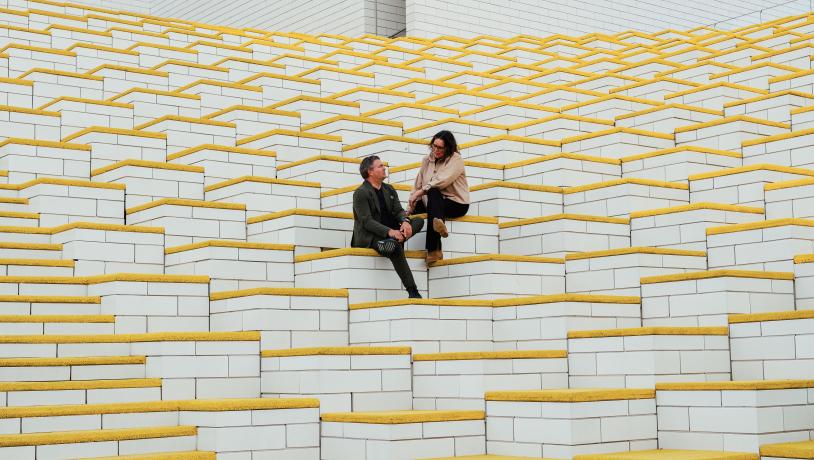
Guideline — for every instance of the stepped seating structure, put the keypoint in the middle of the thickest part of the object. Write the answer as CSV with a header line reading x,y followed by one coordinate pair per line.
x,y
634,280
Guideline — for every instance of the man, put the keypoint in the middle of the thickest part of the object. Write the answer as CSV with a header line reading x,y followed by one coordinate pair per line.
x,y
379,221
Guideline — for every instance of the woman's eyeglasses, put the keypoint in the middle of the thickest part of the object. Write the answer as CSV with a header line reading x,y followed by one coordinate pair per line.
x,y
436,147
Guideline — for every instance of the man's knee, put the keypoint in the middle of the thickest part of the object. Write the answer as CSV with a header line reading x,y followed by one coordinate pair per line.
x,y
417,223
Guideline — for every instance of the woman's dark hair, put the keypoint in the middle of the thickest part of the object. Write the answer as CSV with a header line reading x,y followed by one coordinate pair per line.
x,y
366,164
450,145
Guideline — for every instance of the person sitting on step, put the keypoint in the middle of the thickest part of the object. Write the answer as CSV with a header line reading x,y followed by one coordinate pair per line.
x,y
440,190
379,221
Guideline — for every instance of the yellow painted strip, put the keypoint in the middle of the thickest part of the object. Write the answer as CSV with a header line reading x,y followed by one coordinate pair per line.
x,y
76,299
759,225
497,257
79,385
74,437
769,96
509,354
736,385
517,186
625,181
641,331
553,217
336,351
57,318
250,336
229,244
788,184
84,100
683,148
147,164
191,120
185,202
658,108
799,450
777,137
104,227
804,258
555,156
401,417
771,316
421,302
314,158
261,179
98,279
288,132
612,131
118,131
356,118
695,207
188,455
571,395
732,119
33,246
350,252
38,262
750,168
707,274
509,137
72,361
19,215
634,250
352,188
669,454
555,298
298,292
156,92
123,68
221,148
11,108
409,140
300,212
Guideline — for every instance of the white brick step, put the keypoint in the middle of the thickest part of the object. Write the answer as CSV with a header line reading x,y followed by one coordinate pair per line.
x,y
36,267
357,378
11,204
68,444
671,454
18,250
52,369
57,324
458,380
799,450
19,219
190,455
402,435
51,304
67,392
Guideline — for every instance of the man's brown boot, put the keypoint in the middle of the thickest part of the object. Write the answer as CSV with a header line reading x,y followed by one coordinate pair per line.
x,y
434,256
439,226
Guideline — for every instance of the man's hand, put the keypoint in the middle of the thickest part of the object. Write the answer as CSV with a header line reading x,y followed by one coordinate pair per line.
x,y
396,235
406,229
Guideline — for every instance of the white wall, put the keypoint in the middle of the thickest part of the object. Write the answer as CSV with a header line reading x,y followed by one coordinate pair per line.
x,y
469,18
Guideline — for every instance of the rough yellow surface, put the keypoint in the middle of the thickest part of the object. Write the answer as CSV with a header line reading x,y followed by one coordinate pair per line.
x,y
695,207
771,316
580,217
640,331
497,257
134,338
336,351
759,225
399,417
73,437
79,385
804,449
351,252
229,244
72,361
717,274
303,292
571,395
191,455
671,454
737,385
634,250
509,354
429,302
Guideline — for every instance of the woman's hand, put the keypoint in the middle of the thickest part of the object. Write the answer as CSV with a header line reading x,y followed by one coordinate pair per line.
x,y
414,197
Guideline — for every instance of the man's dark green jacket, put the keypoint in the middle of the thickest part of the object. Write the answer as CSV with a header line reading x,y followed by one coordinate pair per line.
x,y
366,225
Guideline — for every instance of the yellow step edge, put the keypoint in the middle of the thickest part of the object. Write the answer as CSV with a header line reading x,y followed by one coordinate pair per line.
x,y
777,137
356,118
517,186
498,258
288,132
77,299
260,179
65,182
427,302
683,148
556,156
300,212
314,158
696,207
751,168
771,223
634,250
147,164
771,316
478,355
31,246
351,188
802,449
788,184
579,217
641,331
57,319
98,279
571,395
44,143
39,262
187,455
409,140
117,131
510,137
87,436
486,457
555,298
331,253
249,336
62,385
221,148
611,131
185,202
183,119
335,351
731,119
671,454
736,385
401,417
625,181
803,258
299,292
72,361
229,244
20,215
706,274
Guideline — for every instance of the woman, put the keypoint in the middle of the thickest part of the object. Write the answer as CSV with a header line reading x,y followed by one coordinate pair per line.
x,y
440,190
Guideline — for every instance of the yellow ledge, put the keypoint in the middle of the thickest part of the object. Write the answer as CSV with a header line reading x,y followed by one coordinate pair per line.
x,y
803,449
288,132
250,336
509,354
197,405
640,331
352,188
737,385
759,225
788,184
79,385
497,257
351,252
221,148
625,181
117,131
517,186
98,279
336,351
299,212
611,131
732,119
229,244
184,202
260,179
146,164
571,395
187,455
182,119
777,137
554,298
771,316
634,250
299,292
751,168
707,274
579,217
670,454
556,156
509,137
318,158
11,108
72,361
400,417
42,143
409,140
681,149
696,207
426,302
356,118
73,437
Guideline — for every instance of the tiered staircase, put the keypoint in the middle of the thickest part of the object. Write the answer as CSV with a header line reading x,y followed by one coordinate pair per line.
x,y
635,278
